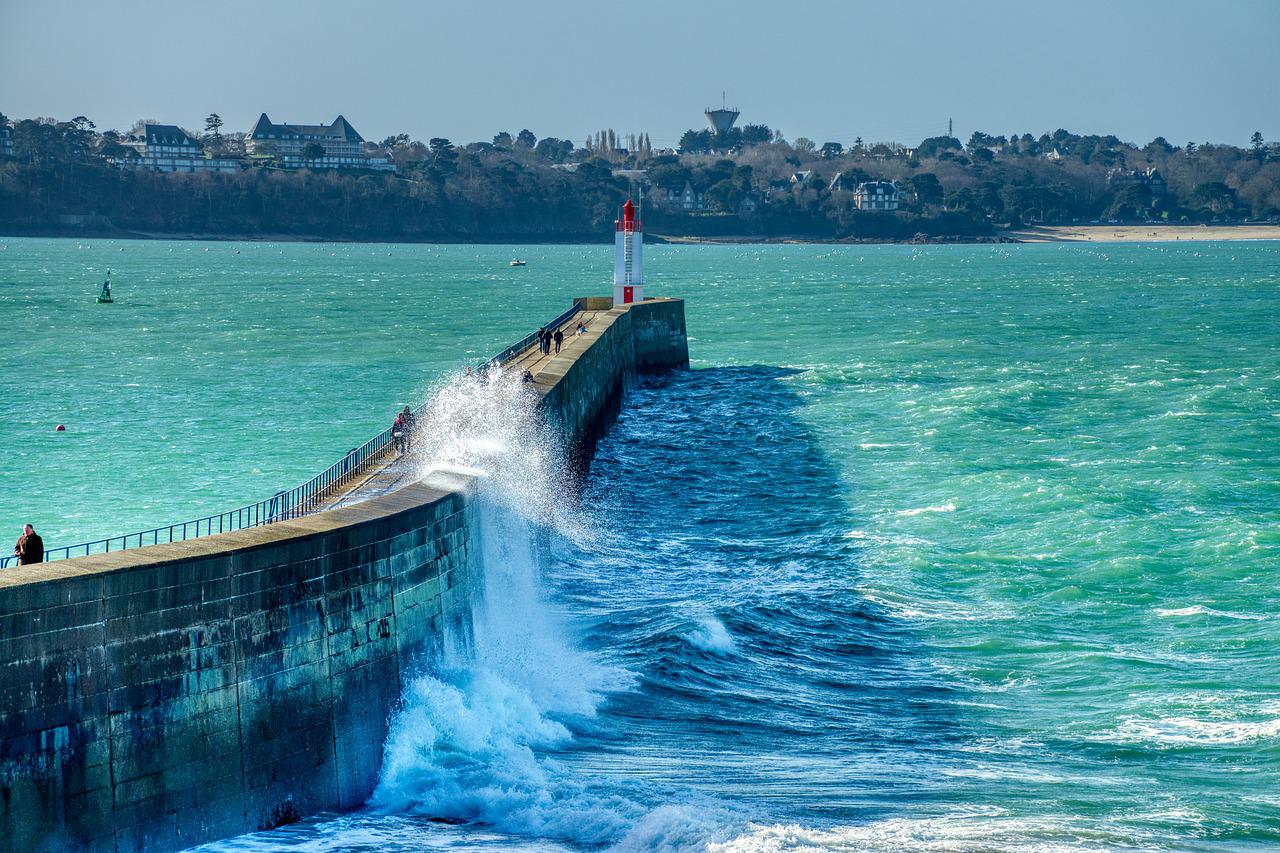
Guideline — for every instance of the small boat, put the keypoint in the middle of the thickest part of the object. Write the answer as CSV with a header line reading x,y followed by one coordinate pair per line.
x,y
517,263
105,296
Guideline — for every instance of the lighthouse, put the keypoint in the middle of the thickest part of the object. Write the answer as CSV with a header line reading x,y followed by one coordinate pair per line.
x,y
628,257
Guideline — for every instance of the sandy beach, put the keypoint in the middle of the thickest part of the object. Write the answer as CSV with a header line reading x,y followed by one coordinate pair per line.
x,y
1143,233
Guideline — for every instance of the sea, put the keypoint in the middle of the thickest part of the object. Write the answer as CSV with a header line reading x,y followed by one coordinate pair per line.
x,y
936,548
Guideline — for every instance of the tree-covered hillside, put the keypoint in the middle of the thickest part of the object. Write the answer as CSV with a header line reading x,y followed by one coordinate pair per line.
x,y
65,175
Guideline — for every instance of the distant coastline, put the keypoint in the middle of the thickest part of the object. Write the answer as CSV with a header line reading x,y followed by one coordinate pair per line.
x,y
1040,234
1143,233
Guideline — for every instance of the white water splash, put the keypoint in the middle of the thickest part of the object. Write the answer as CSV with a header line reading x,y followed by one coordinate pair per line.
x,y
710,635
476,739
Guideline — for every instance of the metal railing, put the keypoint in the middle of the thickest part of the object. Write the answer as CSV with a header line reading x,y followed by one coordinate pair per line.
x,y
291,503
532,338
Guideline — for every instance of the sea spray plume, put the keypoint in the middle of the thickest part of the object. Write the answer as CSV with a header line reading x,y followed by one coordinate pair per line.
x,y
489,421
464,743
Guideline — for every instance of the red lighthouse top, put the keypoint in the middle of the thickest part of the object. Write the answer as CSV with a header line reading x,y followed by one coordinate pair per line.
x,y
628,222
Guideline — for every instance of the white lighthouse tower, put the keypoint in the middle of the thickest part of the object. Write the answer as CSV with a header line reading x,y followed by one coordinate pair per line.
x,y
628,257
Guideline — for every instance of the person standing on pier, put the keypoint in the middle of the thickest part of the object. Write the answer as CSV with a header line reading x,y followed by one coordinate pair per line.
x,y
542,340
559,340
398,430
30,547
408,418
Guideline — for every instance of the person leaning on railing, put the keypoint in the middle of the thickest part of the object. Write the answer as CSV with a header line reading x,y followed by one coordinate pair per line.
x,y
30,547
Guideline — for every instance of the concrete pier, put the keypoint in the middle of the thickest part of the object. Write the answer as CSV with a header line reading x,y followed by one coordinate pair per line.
x,y
161,697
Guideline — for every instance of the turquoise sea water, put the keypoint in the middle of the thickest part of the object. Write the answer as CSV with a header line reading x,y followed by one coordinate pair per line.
x,y
950,548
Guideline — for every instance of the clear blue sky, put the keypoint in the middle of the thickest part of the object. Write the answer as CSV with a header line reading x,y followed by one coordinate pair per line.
x,y
825,69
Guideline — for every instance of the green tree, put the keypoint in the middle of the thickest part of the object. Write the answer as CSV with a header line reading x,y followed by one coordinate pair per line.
x,y
980,140
935,145
526,139
503,140
1214,196
756,134
1255,143
1132,202
927,187
724,196
695,141
213,126
831,149
312,151
553,150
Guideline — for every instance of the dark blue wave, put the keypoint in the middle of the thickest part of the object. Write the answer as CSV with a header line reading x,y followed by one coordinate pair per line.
x,y
718,508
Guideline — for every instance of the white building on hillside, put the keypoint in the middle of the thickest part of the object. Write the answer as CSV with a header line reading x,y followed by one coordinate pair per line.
x,y
343,147
168,148
877,195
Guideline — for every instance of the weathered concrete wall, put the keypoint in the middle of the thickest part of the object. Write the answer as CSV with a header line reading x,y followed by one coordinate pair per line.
x,y
160,697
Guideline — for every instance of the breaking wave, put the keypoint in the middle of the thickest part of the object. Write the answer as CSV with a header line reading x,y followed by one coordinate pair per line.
x,y
479,737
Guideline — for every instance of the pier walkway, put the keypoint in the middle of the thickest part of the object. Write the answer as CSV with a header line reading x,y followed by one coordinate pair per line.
x,y
156,696
396,471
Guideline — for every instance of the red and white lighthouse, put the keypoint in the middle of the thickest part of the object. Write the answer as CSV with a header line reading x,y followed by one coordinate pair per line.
x,y
628,257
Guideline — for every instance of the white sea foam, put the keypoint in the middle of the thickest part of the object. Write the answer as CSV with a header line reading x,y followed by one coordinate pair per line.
x,y
710,635
946,507
1201,610
915,607
1185,730
990,830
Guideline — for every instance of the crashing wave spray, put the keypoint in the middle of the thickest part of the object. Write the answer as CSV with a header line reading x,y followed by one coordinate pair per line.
x,y
464,744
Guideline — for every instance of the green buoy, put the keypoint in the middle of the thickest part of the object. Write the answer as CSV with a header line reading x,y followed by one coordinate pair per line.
x,y
105,295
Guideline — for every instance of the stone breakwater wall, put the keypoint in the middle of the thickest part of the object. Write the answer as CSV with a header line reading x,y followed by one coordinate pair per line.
x,y
161,697
586,387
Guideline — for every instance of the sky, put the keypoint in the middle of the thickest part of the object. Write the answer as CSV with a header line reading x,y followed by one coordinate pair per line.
x,y
823,69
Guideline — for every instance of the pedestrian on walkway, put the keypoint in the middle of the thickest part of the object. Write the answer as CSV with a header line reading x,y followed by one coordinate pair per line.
x,y
542,339
30,547
398,430
559,340
409,423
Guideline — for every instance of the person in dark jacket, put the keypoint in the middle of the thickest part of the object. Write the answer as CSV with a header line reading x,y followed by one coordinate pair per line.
x,y
559,339
30,547
542,340
409,422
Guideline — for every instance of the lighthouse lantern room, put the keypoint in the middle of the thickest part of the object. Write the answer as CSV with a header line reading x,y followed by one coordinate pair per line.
x,y
628,257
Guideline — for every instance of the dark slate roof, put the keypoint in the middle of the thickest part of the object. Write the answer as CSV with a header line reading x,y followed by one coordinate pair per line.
x,y
264,128
169,134
879,187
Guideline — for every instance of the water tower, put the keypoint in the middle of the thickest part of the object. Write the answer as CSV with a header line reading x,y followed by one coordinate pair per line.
x,y
721,120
